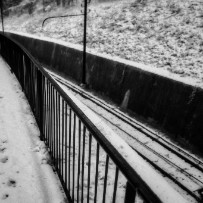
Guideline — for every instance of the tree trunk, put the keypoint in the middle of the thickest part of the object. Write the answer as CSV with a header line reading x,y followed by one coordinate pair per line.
x,y
63,3
58,2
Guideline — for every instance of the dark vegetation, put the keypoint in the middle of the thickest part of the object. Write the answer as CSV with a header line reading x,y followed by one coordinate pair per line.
x,y
21,6
9,3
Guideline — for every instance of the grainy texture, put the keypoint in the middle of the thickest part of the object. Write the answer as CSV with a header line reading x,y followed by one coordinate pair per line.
x,y
164,34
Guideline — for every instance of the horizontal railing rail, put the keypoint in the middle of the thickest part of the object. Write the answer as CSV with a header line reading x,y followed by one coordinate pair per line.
x,y
90,166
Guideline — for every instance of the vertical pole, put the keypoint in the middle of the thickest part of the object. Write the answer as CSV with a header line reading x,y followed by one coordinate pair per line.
x,y
84,44
43,4
2,18
130,193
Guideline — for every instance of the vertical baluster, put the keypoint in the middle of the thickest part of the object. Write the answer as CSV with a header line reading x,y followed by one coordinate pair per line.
x,y
142,196
54,126
105,178
49,114
41,103
79,145
45,109
56,130
83,160
62,137
30,92
32,87
130,193
74,128
23,72
96,174
59,131
51,123
52,119
35,94
89,167
30,78
69,154
66,144
115,185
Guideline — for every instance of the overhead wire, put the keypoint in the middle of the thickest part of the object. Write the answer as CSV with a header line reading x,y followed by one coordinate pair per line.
x,y
62,16
86,11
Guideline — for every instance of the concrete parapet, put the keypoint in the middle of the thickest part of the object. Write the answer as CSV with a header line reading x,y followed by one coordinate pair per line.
x,y
172,104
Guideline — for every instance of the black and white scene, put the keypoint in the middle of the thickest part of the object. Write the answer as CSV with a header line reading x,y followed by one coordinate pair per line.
x,y
101,101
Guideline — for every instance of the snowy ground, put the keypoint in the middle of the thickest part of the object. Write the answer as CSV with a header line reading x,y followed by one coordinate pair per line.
x,y
25,173
166,34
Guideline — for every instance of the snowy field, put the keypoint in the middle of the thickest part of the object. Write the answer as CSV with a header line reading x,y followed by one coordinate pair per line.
x,y
25,173
165,34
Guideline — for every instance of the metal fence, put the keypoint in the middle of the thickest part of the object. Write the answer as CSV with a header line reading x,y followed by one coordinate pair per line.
x,y
88,165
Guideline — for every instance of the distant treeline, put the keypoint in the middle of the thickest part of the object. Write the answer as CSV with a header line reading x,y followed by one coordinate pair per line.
x,y
28,6
10,3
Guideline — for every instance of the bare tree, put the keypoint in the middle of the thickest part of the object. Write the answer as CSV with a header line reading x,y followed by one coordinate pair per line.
x,y
58,2
63,3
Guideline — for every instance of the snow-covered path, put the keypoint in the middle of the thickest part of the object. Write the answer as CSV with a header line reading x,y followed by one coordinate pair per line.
x,y
25,173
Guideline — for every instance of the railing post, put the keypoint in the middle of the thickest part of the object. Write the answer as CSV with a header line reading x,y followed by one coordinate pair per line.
x,y
130,193
40,103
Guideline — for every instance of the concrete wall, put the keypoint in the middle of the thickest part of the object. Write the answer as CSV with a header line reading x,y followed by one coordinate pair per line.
x,y
174,106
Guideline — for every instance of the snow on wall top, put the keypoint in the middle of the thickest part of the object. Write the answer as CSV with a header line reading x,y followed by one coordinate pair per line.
x,y
146,68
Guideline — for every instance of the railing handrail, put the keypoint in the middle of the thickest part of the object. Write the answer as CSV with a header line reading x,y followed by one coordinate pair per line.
x,y
121,154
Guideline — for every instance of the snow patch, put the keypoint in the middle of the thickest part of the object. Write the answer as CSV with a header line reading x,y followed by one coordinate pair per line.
x,y
24,176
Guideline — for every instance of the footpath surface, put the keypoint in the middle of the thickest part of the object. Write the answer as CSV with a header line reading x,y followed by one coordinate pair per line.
x,y
25,172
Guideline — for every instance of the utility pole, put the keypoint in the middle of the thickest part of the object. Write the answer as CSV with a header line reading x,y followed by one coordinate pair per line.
x,y
43,4
2,18
84,44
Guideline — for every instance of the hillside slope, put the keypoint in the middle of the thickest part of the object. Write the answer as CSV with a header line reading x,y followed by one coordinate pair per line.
x,y
164,34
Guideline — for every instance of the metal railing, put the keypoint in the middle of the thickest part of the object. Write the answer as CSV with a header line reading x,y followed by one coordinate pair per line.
x,y
88,165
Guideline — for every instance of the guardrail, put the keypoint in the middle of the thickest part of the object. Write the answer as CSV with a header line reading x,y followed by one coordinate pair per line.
x,y
93,164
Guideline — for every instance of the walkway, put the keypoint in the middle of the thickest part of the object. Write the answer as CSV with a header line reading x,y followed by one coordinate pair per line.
x,y
25,173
